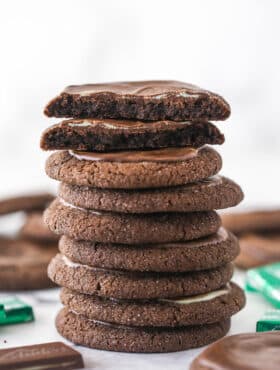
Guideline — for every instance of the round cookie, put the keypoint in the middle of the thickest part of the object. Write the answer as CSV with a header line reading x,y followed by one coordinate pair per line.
x,y
135,285
23,264
29,202
144,100
196,310
244,222
81,224
216,192
35,229
258,249
190,166
108,135
252,351
101,335
200,254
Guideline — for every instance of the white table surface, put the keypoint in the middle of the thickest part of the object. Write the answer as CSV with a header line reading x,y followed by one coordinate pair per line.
x,y
46,305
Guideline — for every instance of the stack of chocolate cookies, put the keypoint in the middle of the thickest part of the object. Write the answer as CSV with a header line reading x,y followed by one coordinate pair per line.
x,y
144,263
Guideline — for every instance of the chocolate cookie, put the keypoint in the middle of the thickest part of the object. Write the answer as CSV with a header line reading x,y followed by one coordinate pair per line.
x,y
135,285
25,203
108,135
266,220
214,193
23,264
258,249
200,254
259,235
252,351
107,227
101,335
34,228
130,170
143,100
197,310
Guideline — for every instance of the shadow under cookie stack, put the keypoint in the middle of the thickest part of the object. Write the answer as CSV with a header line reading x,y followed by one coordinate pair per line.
x,y
144,263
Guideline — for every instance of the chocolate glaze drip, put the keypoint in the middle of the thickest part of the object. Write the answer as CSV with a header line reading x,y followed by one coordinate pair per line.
x,y
157,155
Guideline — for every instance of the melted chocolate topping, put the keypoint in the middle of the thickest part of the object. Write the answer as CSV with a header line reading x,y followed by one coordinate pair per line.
x,y
114,124
138,88
157,155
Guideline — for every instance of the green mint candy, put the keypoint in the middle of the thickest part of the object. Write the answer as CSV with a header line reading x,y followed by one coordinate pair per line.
x,y
265,280
269,322
2,312
13,311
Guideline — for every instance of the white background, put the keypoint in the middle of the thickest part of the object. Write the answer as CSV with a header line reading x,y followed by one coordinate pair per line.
x,y
230,47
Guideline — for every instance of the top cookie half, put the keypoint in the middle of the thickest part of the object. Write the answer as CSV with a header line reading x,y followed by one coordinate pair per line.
x,y
141,100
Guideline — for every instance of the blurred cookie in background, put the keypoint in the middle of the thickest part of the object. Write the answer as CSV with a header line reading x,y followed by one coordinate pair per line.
x,y
24,256
254,221
35,229
259,236
23,264
28,202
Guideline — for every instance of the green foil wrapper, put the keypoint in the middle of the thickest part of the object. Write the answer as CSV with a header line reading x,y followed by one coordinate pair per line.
x,y
2,312
269,321
265,280
14,311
